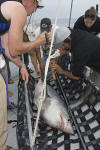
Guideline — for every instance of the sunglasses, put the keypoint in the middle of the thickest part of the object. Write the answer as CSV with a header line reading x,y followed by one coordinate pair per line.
x,y
90,16
45,26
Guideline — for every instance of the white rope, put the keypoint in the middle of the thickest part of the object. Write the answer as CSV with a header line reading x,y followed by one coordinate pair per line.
x,y
43,94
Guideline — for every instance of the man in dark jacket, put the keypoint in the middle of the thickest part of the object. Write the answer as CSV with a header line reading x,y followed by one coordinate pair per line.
x,y
85,50
89,22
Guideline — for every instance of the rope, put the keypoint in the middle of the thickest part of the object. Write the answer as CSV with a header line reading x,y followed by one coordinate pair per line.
x,y
43,94
70,12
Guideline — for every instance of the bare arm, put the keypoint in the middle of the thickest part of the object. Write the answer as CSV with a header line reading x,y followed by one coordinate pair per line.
x,y
58,69
70,75
38,54
34,59
15,60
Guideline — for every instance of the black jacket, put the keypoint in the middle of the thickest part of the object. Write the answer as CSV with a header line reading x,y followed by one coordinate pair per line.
x,y
85,49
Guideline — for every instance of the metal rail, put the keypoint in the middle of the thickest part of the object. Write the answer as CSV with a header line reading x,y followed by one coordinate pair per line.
x,y
71,114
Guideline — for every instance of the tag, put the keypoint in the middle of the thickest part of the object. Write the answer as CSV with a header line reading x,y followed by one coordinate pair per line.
x,y
2,62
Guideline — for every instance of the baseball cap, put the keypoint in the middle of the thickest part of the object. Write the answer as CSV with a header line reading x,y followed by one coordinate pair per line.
x,y
45,24
61,34
40,4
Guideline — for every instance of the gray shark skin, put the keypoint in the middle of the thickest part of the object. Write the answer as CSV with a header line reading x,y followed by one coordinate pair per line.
x,y
53,110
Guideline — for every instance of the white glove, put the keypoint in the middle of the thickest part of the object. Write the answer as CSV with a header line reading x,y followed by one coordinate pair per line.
x,y
56,54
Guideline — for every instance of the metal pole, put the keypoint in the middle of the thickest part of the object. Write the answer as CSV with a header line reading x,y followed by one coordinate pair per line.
x,y
73,118
28,117
70,13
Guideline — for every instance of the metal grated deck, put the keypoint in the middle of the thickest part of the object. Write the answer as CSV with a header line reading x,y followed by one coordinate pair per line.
x,y
82,100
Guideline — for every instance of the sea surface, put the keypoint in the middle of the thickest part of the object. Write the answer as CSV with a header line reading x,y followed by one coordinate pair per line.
x,y
60,22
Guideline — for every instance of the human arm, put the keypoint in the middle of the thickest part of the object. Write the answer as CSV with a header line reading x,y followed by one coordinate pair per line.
x,y
15,60
57,68
33,56
38,54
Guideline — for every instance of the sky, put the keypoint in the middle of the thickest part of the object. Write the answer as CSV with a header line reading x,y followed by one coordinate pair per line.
x,y
79,7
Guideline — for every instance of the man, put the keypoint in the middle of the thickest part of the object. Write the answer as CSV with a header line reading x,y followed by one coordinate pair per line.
x,y
60,35
85,50
12,21
55,63
35,56
89,22
60,63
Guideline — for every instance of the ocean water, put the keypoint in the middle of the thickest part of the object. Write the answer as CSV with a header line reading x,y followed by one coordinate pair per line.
x,y
60,22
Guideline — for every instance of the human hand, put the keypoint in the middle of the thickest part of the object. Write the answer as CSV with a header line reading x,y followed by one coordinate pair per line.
x,y
24,73
54,67
42,38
